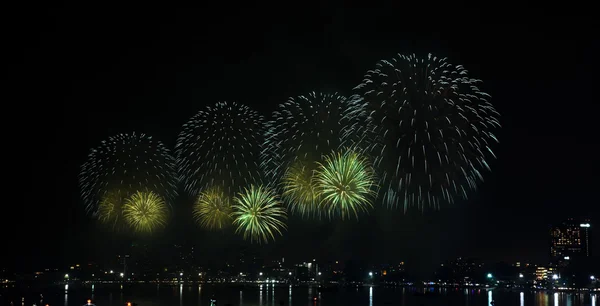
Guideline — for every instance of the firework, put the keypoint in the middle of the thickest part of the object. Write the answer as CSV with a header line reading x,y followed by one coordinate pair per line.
x,y
308,127
258,214
434,129
212,209
127,163
300,190
220,147
145,212
345,184
110,209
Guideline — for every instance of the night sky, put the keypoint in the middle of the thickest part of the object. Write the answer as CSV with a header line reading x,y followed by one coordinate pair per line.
x,y
86,73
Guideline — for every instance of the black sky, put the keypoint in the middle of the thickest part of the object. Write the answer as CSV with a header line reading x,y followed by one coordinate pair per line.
x,y
85,73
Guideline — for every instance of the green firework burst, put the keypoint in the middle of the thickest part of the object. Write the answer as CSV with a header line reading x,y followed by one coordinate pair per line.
x,y
346,184
258,214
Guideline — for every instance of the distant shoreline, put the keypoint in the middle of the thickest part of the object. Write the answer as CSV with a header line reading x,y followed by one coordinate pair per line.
x,y
326,286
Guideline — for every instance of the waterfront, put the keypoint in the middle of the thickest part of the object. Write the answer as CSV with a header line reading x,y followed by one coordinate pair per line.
x,y
269,295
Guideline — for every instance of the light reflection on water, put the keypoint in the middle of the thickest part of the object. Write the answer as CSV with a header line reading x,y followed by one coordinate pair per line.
x,y
180,294
542,299
272,294
522,298
263,295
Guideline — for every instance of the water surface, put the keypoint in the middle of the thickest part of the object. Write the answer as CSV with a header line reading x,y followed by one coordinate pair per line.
x,y
275,295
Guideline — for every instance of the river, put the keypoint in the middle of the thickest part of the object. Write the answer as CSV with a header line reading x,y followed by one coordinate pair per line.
x,y
269,295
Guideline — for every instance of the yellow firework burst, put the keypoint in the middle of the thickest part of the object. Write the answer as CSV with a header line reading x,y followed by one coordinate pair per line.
x,y
212,209
110,209
300,190
258,214
346,184
145,212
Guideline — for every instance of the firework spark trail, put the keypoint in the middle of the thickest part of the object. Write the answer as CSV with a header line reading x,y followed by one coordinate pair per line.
x,y
110,209
127,163
433,126
220,147
308,127
300,190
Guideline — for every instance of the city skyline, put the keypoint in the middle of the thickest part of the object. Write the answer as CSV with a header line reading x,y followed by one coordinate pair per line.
x,y
155,82
567,248
247,267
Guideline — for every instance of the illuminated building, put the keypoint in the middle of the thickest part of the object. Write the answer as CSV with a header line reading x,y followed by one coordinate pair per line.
x,y
570,240
542,273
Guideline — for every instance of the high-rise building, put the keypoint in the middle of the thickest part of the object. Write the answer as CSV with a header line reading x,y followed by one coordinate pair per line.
x,y
570,240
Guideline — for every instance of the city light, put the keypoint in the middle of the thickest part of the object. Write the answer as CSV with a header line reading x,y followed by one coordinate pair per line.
x,y
567,257
541,274
584,225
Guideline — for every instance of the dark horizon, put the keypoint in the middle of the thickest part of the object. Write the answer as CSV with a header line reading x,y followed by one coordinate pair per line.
x,y
82,78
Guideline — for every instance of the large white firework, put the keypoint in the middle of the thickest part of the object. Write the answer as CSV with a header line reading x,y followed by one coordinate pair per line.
x,y
127,163
433,127
220,147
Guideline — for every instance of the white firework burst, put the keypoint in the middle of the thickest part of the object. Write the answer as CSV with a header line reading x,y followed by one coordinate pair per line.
x,y
433,127
220,147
